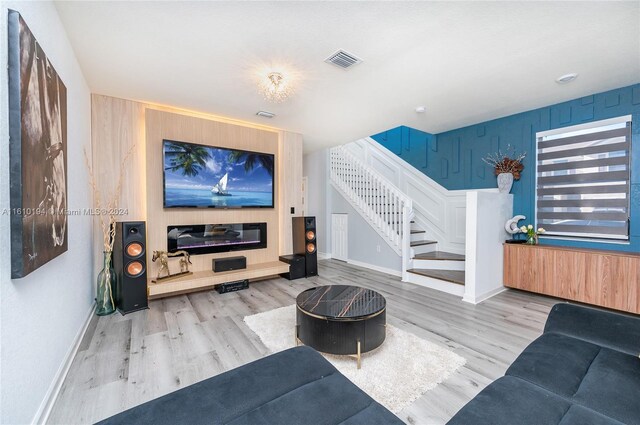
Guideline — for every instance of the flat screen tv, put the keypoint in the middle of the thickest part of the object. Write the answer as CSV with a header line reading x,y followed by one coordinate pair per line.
x,y
200,176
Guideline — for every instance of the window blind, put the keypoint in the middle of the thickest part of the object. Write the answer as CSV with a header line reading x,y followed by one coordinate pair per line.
x,y
583,179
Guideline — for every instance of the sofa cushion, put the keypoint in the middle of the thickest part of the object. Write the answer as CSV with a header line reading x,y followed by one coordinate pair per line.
x,y
293,386
600,379
375,414
612,386
555,362
318,402
578,415
510,400
617,331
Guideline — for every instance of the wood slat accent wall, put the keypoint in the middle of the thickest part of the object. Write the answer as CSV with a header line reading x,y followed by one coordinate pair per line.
x,y
165,125
118,124
290,182
604,278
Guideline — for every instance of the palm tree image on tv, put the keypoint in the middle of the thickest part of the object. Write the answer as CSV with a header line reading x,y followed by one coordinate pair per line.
x,y
207,176
251,159
187,158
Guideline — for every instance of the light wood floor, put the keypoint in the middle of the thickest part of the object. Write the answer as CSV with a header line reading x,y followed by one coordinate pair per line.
x,y
126,360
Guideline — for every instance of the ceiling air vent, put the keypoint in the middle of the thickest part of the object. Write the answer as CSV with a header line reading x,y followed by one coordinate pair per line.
x,y
343,59
265,114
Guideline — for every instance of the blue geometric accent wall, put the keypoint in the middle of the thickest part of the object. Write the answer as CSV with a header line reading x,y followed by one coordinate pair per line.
x,y
413,146
454,158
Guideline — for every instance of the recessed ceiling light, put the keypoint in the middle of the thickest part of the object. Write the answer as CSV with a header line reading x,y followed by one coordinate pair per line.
x,y
566,78
265,114
421,109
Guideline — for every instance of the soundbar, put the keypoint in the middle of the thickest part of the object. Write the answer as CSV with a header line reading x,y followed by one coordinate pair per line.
x,y
228,264
236,285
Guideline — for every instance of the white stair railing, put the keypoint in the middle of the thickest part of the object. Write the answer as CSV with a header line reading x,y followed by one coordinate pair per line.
x,y
384,206
438,211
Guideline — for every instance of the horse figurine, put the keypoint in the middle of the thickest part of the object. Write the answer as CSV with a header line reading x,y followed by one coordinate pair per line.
x,y
184,261
163,256
164,262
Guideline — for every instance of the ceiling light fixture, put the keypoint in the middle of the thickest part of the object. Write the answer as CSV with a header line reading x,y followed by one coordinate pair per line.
x,y
566,78
275,87
421,109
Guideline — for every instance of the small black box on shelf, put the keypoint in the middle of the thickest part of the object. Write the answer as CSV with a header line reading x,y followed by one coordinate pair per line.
x,y
229,263
296,263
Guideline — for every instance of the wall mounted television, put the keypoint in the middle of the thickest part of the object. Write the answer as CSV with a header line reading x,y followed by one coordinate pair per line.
x,y
200,176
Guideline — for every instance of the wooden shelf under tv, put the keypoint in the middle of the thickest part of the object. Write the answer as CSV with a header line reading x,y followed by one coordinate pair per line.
x,y
202,280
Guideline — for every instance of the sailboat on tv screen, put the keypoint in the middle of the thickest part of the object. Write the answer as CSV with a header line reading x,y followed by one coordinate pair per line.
x,y
220,188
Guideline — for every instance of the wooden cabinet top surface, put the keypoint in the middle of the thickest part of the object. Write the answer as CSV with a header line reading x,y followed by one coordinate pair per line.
x,y
574,249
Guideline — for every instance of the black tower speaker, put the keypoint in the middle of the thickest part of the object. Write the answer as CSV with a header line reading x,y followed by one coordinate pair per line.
x,y
304,242
130,264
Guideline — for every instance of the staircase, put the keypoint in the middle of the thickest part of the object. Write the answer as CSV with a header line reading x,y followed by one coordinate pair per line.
x,y
391,213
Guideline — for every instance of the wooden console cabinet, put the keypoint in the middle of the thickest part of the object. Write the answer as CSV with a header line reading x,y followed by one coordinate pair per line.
x,y
605,278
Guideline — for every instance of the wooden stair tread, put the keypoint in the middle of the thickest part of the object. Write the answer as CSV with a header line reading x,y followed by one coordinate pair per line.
x,y
413,232
419,243
439,255
453,276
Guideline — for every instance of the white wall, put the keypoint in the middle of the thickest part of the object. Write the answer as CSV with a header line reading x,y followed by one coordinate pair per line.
x,y
315,167
364,241
43,313
486,215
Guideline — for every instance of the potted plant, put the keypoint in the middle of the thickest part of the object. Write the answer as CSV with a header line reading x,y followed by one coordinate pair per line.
x,y
532,234
106,212
507,166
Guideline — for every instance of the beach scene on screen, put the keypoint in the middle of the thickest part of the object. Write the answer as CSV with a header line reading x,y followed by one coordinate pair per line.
x,y
204,176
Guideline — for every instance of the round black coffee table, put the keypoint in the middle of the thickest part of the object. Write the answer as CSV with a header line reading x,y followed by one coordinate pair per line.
x,y
341,319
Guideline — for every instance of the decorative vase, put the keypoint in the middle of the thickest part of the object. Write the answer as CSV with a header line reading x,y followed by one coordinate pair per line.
x,y
532,239
505,181
105,298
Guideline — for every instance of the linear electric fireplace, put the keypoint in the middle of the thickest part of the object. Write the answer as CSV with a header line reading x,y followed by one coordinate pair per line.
x,y
212,238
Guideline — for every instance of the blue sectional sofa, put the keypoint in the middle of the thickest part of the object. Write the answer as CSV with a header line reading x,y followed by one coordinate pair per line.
x,y
584,369
296,386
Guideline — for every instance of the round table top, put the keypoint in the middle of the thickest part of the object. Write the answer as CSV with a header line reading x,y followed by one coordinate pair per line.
x,y
341,302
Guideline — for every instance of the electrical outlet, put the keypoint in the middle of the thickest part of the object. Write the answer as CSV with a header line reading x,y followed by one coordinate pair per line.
x,y
378,248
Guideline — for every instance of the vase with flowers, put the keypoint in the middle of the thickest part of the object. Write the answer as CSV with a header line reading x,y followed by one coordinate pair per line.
x,y
106,213
507,167
532,234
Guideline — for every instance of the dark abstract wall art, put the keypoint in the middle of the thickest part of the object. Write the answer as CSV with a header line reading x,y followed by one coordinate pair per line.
x,y
38,152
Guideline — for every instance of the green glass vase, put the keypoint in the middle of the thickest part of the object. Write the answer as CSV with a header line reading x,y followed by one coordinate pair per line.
x,y
532,239
105,298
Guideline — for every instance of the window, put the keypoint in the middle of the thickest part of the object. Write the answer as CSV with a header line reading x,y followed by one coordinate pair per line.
x,y
582,187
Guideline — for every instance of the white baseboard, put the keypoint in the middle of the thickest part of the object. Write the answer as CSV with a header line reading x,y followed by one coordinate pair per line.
x,y
376,268
324,255
483,297
42,415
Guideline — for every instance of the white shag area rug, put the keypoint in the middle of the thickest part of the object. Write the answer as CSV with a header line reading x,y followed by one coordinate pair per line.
x,y
395,374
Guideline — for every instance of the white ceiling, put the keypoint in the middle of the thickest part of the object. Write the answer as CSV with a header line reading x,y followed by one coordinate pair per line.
x,y
466,62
